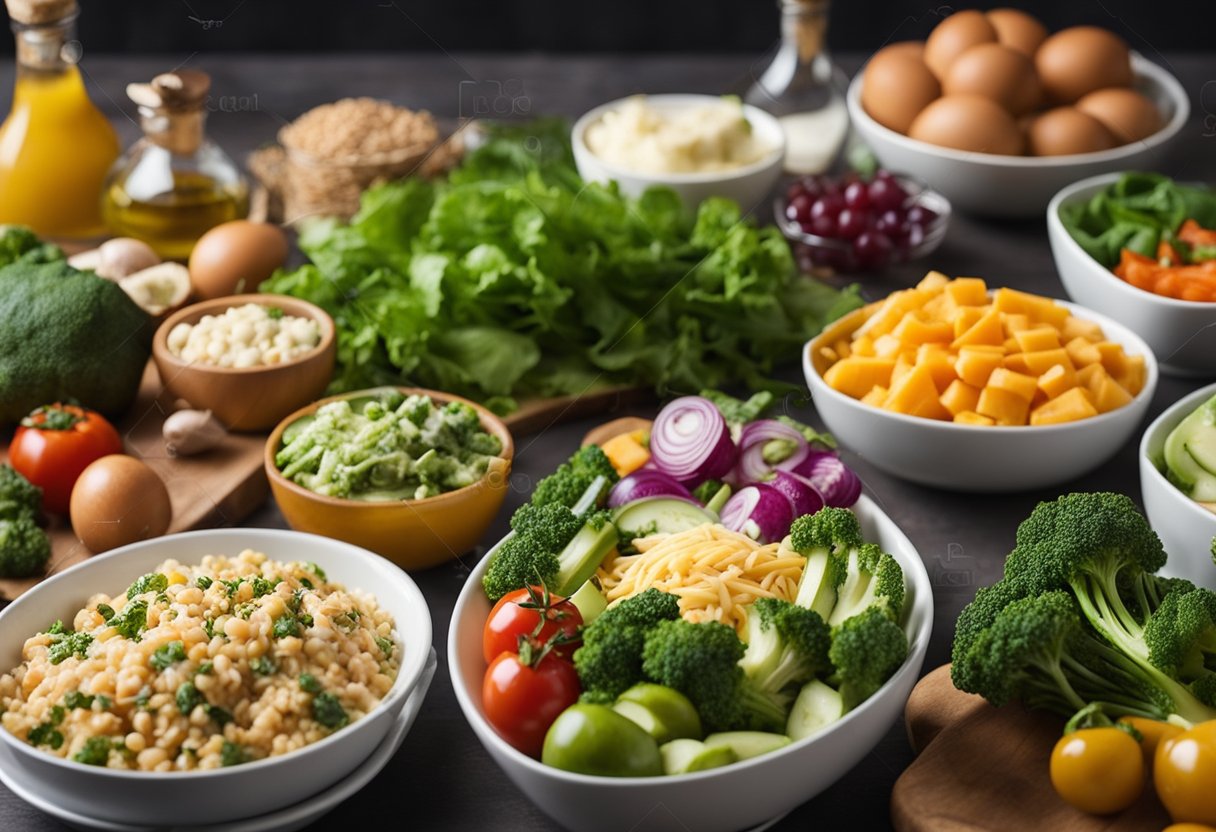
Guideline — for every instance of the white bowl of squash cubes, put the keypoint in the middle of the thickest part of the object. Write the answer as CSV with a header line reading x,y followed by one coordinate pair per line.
x,y
956,385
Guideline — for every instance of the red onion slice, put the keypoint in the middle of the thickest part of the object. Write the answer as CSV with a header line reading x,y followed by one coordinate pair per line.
x,y
643,483
759,511
691,441
834,480
803,497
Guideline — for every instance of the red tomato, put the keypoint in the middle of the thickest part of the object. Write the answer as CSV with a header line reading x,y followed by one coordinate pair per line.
x,y
521,701
54,444
519,613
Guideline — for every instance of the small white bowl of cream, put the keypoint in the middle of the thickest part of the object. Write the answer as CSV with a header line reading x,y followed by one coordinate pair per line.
x,y
698,145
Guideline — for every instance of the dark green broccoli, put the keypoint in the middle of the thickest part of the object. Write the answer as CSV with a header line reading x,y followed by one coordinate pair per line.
x,y
787,646
701,661
24,547
18,496
872,579
20,244
974,621
1181,634
610,658
866,651
132,621
530,555
65,645
152,582
824,539
567,485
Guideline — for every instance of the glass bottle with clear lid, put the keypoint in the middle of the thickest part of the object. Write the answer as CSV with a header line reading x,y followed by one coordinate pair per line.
x,y
174,184
804,89
55,145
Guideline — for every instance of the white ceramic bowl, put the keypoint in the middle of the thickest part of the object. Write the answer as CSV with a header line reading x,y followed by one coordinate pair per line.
x,y
1020,186
740,796
164,799
1186,528
749,185
1182,333
974,457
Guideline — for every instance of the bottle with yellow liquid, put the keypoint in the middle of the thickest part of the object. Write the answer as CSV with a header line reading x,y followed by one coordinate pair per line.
x,y
174,184
55,146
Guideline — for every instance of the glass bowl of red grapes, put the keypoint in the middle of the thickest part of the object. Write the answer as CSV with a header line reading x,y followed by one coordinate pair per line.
x,y
852,224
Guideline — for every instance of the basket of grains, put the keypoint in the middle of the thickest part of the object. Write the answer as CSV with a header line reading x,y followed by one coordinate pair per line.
x,y
332,153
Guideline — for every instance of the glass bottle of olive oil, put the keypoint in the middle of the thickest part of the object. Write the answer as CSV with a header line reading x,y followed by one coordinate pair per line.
x,y
174,184
55,145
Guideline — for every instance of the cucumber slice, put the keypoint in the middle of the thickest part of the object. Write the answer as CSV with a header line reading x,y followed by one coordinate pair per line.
x,y
670,707
583,555
817,706
685,756
748,744
1190,453
659,515
589,601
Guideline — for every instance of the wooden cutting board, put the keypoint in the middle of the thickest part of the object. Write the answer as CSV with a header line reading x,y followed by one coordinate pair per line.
x,y
218,488
985,768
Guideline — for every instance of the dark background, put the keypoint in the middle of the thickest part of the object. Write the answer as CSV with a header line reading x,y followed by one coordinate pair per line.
x,y
171,26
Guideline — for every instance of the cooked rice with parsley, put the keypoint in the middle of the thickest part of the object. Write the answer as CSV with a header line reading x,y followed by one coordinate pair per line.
x,y
197,667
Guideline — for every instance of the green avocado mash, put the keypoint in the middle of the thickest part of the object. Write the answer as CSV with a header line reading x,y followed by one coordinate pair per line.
x,y
387,447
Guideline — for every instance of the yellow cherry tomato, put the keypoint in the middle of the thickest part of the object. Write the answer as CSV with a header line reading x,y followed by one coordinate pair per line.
x,y
1189,827
1153,733
1098,770
1184,772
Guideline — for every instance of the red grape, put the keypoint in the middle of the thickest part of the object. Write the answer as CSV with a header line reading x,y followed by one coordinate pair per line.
x,y
823,226
850,222
873,249
799,208
921,215
856,196
886,194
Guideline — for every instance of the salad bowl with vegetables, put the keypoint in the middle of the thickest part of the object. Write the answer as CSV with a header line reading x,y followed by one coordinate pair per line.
x,y
1141,249
665,625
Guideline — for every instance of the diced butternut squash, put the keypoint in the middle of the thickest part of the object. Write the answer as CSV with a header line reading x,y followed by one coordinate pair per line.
x,y
941,308
1003,407
855,376
916,395
864,346
887,346
933,282
1090,376
913,330
627,451
968,291
1020,385
987,330
960,397
968,417
1113,357
1109,395
1041,361
1058,380
1132,377
1067,407
843,348
940,365
967,317
1016,362
1038,339
1082,352
875,397
903,366
1080,328
974,366
1014,322
1009,345
1043,310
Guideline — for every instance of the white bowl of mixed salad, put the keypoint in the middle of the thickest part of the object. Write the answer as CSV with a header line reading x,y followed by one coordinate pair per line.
x,y
711,639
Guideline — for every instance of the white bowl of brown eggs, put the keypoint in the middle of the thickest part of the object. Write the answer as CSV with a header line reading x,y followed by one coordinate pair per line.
x,y
998,115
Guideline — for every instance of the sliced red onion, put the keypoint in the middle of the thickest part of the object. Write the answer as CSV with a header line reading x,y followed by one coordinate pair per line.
x,y
757,438
803,497
691,441
759,511
646,482
803,468
834,480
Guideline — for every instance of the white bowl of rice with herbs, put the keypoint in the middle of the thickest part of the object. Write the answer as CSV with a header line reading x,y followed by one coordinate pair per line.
x,y
255,661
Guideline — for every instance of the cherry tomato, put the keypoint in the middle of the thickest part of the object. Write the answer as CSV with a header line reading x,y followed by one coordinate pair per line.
x,y
522,700
1184,771
1098,770
520,612
54,444
1153,733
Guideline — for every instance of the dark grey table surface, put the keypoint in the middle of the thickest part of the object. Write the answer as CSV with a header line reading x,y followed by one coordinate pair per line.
x,y
441,778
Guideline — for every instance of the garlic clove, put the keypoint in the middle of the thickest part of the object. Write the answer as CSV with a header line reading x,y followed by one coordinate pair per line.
x,y
189,432
159,288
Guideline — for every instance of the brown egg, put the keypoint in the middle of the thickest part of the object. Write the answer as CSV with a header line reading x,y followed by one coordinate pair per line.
x,y
895,87
968,122
954,36
234,257
1127,114
911,48
1017,30
1064,131
119,500
1076,61
997,72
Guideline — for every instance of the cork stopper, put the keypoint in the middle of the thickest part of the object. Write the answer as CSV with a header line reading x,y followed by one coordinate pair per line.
x,y
40,12
179,91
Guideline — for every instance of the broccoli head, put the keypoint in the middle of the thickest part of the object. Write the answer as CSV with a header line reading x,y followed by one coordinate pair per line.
x,y
24,547
702,662
974,621
824,538
530,555
872,579
866,651
610,658
570,481
1181,634
18,495
787,646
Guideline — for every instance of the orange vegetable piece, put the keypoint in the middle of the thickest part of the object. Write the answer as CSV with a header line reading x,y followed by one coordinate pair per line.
x,y
1132,377
966,317
1058,380
1038,339
1067,407
1194,234
987,330
856,375
913,330
1037,363
1014,322
1003,407
1113,356
970,417
960,397
1022,386
974,365
1079,327
916,395
1082,352
1109,395
627,451
875,397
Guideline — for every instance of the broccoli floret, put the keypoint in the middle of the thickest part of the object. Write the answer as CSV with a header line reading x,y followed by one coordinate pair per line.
x,y
702,662
866,651
974,621
570,481
610,658
24,547
18,496
872,579
1181,634
824,538
530,555
787,646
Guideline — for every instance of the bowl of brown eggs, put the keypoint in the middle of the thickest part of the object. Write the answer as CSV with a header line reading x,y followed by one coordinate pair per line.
x,y
998,114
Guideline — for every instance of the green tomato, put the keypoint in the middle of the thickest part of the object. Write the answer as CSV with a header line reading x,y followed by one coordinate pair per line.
x,y
594,739
674,713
